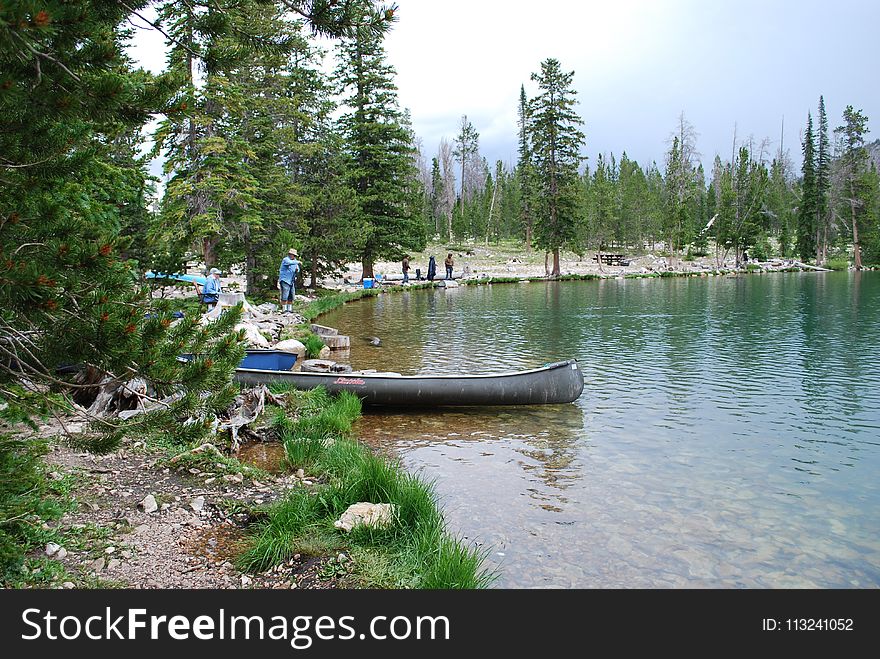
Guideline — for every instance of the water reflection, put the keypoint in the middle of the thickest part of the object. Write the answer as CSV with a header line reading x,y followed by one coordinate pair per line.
x,y
539,442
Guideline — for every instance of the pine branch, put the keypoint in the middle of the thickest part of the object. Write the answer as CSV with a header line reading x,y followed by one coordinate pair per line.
x,y
45,55
159,29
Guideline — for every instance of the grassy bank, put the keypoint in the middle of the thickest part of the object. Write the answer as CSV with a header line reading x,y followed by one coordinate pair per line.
x,y
413,551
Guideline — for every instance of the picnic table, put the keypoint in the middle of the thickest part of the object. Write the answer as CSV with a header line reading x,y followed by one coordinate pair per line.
x,y
612,259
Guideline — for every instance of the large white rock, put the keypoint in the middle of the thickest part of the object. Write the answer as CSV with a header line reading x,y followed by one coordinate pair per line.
x,y
367,514
291,345
323,330
253,335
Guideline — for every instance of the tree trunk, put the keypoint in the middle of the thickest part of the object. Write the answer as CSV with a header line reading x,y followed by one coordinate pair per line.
x,y
556,270
367,268
208,252
250,271
857,249
314,258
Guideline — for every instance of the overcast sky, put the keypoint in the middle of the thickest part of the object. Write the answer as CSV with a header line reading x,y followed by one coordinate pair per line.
x,y
637,66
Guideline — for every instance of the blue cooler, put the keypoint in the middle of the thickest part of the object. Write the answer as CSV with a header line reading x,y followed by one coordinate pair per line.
x,y
368,282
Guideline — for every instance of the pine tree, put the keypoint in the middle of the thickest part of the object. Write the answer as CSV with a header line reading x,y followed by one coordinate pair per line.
x,y
556,143
379,147
66,297
870,238
823,184
467,149
438,195
781,202
807,211
854,166
525,170
602,206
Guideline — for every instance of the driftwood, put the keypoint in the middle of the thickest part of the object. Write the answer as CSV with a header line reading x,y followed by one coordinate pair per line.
x,y
798,264
248,406
105,395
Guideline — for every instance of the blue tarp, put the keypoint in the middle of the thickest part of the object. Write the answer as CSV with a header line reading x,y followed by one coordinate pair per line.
x,y
194,279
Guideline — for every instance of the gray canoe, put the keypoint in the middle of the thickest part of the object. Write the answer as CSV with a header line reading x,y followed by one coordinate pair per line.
x,y
561,382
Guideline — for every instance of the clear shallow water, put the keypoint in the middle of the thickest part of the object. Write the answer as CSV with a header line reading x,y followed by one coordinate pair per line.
x,y
728,435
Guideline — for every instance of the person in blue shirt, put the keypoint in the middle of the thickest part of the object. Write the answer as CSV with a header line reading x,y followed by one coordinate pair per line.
x,y
286,278
212,289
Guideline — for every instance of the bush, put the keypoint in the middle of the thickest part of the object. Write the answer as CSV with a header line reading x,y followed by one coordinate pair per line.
x,y
313,344
24,502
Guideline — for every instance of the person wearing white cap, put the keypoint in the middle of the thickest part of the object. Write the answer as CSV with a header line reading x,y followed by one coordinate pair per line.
x,y
286,278
212,289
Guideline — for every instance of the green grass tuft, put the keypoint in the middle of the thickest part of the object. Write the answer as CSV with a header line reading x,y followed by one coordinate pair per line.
x,y
413,551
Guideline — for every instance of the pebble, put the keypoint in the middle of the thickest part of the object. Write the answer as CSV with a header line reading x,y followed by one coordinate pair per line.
x,y
62,554
148,504
52,549
68,585
197,504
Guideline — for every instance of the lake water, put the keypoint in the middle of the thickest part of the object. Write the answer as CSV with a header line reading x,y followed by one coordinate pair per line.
x,y
728,435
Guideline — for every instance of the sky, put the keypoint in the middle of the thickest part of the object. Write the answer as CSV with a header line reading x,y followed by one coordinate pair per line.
x,y
745,66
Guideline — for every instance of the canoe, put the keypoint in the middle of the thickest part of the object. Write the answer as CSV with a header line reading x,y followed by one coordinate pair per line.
x,y
177,276
561,382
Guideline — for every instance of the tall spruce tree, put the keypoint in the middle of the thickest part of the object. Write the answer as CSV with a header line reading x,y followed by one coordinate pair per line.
x,y
525,169
467,149
823,185
807,210
781,203
556,144
438,195
379,151
854,166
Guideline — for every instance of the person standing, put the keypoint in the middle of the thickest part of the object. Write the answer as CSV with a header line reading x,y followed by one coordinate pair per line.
x,y
286,278
450,262
432,268
212,289
406,268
